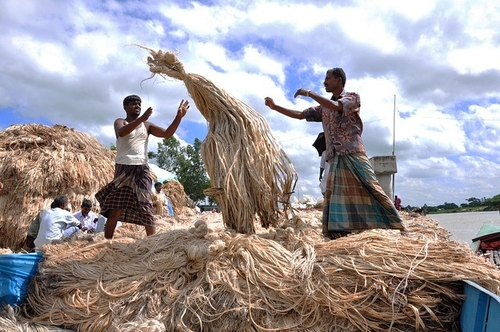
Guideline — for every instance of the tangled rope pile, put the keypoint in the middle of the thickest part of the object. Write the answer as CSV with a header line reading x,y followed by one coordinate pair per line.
x,y
282,279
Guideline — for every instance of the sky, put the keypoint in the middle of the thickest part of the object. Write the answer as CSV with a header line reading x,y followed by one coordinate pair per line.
x,y
427,72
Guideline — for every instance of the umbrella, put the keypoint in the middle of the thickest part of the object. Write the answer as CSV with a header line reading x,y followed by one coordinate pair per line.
x,y
320,143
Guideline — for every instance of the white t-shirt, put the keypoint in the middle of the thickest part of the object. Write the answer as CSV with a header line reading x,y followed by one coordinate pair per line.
x,y
132,149
326,166
87,221
53,222
322,161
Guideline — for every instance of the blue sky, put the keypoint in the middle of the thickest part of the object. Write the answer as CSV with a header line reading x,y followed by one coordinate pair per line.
x,y
72,62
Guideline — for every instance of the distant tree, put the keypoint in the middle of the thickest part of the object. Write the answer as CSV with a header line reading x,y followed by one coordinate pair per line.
x,y
448,206
169,153
186,164
492,203
192,173
473,201
112,147
431,209
475,204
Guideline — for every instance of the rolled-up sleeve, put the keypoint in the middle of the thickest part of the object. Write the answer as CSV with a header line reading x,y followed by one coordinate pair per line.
x,y
350,103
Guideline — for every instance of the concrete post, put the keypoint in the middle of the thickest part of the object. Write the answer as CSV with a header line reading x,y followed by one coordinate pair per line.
x,y
385,167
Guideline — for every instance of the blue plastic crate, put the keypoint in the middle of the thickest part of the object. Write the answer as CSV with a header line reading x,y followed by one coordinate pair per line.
x,y
16,271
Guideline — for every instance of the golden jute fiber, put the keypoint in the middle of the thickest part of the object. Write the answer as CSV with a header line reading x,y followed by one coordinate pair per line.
x,y
175,191
249,172
280,279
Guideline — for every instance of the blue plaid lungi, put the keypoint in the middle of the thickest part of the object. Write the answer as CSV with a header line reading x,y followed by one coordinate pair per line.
x,y
354,199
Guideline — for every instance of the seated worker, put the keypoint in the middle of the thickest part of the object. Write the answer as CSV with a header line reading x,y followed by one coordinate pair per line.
x,y
88,219
161,202
51,224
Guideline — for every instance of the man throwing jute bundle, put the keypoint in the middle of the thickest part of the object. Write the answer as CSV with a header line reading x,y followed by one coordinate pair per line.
x,y
129,196
354,199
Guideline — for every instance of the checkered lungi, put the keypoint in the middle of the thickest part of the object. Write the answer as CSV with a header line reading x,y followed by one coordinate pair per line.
x,y
354,199
130,191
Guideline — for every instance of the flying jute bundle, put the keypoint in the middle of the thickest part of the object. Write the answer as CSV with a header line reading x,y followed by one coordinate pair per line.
x,y
249,172
203,278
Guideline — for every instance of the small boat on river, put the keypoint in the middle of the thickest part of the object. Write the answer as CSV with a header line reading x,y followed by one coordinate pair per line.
x,y
487,243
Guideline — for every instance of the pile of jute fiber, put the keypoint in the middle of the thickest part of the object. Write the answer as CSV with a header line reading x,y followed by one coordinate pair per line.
x,y
249,172
175,192
205,278
38,163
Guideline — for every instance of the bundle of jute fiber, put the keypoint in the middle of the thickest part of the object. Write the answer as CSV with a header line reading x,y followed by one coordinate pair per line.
x,y
199,279
10,323
424,226
38,163
117,282
249,172
175,192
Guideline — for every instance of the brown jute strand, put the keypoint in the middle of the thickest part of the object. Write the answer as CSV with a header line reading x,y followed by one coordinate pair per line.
x,y
249,172
205,278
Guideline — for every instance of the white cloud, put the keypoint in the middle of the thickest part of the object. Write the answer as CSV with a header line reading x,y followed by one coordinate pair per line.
x,y
476,60
73,62
46,56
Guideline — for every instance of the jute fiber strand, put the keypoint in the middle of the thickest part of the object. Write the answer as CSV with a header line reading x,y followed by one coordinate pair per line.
x,y
10,323
205,278
40,162
249,172
175,191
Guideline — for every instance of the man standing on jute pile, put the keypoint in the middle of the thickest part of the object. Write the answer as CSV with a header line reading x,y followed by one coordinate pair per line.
x,y
129,196
354,199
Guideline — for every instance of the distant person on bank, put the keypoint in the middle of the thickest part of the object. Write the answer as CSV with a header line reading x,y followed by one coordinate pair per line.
x,y
397,203
354,199
129,196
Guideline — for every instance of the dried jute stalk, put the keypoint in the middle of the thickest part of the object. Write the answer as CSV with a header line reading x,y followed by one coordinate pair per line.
x,y
249,172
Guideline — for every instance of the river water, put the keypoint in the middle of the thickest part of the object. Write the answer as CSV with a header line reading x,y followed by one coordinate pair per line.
x,y
464,226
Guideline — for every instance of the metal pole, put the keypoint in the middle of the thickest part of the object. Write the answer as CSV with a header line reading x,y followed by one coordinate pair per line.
x,y
394,128
394,145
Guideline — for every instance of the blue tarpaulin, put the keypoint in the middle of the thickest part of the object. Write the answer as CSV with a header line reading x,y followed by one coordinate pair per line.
x,y
16,271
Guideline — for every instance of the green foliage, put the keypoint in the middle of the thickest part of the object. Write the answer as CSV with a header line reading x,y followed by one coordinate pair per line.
x,y
474,205
492,203
186,164
169,151
473,201
448,206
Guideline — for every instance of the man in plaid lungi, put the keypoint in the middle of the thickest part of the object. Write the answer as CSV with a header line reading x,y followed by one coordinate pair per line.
x,y
354,199
129,197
